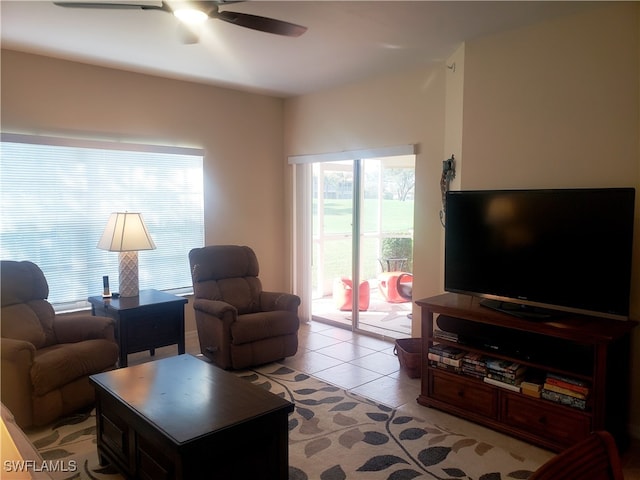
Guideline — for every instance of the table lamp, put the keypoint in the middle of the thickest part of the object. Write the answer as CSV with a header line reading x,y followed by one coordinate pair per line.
x,y
126,233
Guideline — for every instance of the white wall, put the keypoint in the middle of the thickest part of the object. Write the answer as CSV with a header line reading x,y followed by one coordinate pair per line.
x,y
401,109
555,104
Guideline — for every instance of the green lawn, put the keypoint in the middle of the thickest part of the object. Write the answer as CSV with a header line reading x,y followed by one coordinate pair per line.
x,y
397,216
396,220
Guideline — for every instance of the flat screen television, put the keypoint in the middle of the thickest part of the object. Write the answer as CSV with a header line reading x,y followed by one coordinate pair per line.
x,y
535,252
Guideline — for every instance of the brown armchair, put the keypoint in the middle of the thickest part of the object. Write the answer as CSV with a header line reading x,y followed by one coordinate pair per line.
x,y
239,324
594,458
46,359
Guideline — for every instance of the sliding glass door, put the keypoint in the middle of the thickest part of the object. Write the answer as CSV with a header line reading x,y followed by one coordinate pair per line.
x,y
333,193
362,229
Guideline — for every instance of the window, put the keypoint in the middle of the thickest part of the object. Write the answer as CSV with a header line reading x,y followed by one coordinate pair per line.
x,y
57,195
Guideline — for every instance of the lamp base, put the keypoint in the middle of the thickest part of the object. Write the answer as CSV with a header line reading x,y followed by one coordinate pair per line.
x,y
128,273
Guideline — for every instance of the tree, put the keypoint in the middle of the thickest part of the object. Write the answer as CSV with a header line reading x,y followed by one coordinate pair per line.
x,y
402,181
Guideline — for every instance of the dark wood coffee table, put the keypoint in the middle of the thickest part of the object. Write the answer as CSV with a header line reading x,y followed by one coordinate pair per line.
x,y
183,418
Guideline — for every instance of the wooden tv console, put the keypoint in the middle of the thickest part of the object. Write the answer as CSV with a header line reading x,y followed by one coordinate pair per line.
x,y
593,350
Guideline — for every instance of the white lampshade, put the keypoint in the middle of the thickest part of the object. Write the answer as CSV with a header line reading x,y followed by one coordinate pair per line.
x,y
126,233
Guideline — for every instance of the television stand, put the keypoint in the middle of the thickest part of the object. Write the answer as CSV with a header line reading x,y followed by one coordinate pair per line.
x,y
519,309
589,350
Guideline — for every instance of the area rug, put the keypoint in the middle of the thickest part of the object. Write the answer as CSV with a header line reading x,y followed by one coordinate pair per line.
x,y
333,435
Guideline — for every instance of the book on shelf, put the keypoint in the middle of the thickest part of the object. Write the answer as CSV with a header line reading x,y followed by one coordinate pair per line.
x,y
446,351
473,372
444,366
504,378
531,389
563,399
568,383
474,367
498,383
506,367
567,379
455,362
507,375
564,391
475,359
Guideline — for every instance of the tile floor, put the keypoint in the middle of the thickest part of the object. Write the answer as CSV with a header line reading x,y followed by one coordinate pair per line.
x,y
368,366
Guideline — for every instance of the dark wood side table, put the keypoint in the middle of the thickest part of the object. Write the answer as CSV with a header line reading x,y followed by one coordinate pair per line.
x,y
181,418
152,319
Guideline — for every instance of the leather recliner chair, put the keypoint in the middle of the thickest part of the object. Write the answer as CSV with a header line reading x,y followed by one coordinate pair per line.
x,y
240,325
46,359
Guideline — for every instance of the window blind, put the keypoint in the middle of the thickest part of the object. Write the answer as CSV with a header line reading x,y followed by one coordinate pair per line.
x,y
57,195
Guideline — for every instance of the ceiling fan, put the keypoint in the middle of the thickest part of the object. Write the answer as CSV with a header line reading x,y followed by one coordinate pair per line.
x,y
201,10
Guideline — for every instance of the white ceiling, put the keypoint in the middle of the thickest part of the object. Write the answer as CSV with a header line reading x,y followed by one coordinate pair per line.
x,y
346,41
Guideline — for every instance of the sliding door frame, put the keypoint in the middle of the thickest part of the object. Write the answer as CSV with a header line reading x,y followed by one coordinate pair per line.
x,y
302,212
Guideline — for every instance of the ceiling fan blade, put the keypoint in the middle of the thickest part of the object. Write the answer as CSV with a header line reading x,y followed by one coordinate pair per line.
x,y
263,24
210,7
114,5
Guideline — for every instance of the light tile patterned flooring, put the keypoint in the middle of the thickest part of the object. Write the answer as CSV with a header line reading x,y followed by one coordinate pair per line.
x,y
368,366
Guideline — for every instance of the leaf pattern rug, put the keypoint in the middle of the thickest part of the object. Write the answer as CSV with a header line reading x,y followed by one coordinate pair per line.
x,y
333,435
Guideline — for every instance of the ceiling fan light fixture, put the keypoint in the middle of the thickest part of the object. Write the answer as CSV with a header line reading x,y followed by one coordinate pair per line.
x,y
195,13
190,15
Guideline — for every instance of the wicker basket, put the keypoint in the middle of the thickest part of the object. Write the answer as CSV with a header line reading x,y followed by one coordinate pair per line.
x,y
409,352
